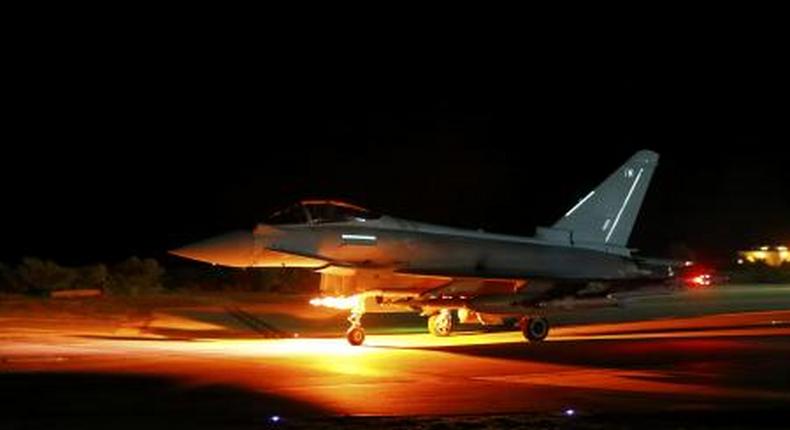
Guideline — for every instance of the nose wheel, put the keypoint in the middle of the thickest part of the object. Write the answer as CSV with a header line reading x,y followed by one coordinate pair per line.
x,y
535,329
355,334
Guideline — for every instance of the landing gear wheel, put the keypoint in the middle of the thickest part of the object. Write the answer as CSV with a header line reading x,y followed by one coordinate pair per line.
x,y
355,336
440,324
535,329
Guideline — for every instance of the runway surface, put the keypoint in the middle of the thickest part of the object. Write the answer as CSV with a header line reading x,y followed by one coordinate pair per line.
x,y
69,370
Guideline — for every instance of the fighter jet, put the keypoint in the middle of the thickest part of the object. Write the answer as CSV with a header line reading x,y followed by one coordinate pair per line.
x,y
370,262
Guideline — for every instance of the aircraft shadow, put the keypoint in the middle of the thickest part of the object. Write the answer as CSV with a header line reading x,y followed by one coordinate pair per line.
x,y
737,361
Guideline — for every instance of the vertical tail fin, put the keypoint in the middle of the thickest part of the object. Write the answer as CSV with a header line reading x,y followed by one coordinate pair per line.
x,y
606,215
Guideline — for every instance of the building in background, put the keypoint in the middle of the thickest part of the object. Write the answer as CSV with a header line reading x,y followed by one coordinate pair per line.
x,y
772,256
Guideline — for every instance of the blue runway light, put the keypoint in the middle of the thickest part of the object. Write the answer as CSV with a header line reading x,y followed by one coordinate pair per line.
x,y
570,412
275,418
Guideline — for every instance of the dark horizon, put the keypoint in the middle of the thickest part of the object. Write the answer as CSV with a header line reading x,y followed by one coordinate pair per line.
x,y
184,154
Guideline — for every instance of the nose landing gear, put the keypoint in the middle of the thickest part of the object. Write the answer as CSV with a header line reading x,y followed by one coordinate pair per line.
x,y
355,334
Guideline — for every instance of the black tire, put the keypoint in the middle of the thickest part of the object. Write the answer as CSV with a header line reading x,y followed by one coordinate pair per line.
x,y
535,329
355,336
438,327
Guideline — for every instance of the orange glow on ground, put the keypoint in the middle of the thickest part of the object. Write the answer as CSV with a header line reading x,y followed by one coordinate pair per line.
x,y
645,365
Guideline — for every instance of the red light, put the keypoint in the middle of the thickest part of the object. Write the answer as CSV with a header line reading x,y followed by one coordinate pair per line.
x,y
696,276
702,280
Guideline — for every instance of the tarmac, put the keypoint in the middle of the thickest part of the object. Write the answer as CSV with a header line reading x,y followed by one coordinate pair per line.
x,y
716,356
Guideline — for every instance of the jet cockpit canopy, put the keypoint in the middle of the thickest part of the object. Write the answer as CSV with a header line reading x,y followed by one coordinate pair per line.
x,y
321,212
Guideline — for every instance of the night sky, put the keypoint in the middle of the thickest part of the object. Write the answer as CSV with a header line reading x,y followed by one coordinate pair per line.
x,y
109,155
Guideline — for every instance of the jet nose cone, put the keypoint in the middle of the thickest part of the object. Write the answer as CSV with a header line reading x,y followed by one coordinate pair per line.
x,y
231,249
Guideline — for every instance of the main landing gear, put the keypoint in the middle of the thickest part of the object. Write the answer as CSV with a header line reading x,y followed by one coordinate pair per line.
x,y
535,328
441,324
